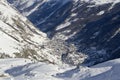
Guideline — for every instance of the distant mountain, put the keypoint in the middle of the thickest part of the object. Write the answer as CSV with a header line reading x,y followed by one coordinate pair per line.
x,y
92,25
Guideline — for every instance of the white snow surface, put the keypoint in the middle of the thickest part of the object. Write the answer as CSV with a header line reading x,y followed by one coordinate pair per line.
x,y
104,71
100,2
101,13
9,30
24,69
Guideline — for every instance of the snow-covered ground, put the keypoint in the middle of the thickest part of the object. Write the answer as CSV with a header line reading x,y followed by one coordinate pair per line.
x,y
17,33
11,36
104,71
100,2
24,69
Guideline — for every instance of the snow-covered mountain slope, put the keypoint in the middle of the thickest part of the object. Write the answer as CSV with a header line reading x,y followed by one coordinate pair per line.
x,y
23,69
104,71
100,2
93,25
54,12
19,38
42,12
28,6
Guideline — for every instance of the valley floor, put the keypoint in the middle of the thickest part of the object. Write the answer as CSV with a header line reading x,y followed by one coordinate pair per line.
x,y
24,69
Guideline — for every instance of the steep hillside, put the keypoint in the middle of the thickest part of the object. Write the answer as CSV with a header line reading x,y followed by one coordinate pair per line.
x,y
45,14
92,25
19,38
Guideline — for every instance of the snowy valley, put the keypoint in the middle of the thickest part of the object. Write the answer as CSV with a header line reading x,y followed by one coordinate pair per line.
x,y
59,39
92,25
